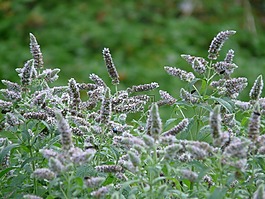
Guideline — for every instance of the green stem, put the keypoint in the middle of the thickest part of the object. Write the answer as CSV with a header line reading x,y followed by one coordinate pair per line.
x,y
33,169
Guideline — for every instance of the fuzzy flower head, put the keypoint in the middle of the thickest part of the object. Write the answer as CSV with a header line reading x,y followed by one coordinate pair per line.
x,y
256,89
188,97
166,98
143,87
110,66
178,128
44,173
254,124
218,42
74,94
215,122
183,75
105,111
198,63
154,124
26,72
65,131
35,52
229,56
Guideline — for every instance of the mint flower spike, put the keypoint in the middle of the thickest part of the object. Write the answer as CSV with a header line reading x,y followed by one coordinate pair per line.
x,y
256,89
229,56
65,131
153,123
110,66
35,51
198,63
26,72
215,122
218,42
106,110
259,193
182,74
254,123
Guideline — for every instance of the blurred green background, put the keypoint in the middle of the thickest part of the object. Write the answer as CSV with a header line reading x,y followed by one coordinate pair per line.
x,y
143,36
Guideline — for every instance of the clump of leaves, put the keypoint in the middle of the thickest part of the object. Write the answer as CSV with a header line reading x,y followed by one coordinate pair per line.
x,y
56,144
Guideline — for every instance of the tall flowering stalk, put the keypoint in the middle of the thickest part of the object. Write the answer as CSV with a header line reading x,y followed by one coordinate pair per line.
x,y
218,42
110,66
256,89
215,122
154,123
254,124
105,111
65,131
36,52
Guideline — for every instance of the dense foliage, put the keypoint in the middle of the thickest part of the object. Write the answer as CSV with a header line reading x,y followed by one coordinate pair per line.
x,y
55,144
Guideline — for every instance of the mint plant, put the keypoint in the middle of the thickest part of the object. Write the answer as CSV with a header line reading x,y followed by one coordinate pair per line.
x,y
57,143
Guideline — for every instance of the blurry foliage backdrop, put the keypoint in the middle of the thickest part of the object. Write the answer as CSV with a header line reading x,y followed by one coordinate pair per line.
x,y
143,36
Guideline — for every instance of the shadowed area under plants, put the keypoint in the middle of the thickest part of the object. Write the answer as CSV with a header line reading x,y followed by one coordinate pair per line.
x,y
56,144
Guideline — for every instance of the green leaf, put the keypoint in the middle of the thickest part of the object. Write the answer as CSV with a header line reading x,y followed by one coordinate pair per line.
x,y
3,172
218,193
6,150
28,160
224,103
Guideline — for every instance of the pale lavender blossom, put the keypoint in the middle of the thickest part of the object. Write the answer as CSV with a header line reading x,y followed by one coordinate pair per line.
x,y
224,68
154,123
36,52
217,43
229,56
50,75
12,86
256,89
208,179
74,94
5,105
188,174
110,66
198,63
65,131
166,98
10,95
48,153
36,115
148,140
134,158
109,168
93,182
97,80
215,122
254,124
26,72
143,87
55,165
88,87
182,74
188,97
44,173
178,128
101,191
105,110
78,156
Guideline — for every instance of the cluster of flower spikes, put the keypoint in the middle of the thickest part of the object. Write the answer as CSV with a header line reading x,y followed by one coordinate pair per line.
x,y
62,108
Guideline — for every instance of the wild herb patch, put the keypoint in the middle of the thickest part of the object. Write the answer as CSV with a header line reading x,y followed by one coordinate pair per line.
x,y
75,141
